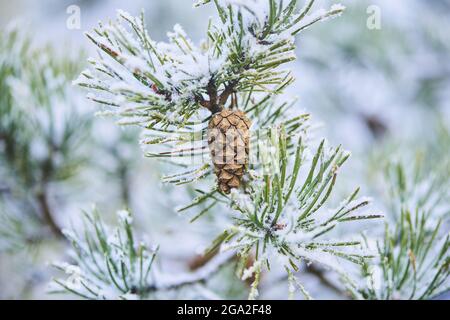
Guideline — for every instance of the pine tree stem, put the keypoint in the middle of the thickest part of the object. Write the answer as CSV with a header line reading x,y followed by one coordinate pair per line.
x,y
42,199
216,102
320,274
124,185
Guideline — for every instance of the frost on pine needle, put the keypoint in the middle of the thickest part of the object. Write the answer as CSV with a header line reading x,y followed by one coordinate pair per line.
x,y
111,263
413,261
415,186
413,257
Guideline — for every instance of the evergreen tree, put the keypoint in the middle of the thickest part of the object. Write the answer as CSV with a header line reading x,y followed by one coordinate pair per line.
x,y
261,197
277,189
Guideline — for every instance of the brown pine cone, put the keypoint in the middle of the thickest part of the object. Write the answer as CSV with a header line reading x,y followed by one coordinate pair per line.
x,y
229,140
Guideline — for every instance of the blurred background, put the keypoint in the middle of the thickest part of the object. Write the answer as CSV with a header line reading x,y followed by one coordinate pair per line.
x,y
377,80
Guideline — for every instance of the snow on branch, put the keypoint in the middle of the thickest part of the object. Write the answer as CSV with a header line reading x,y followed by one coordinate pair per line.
x,y
109,263
413,257
170,89
285,217
163,84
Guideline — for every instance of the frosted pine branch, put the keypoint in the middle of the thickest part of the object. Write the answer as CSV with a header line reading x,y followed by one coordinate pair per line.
x,y
163,85
112,264
284,217
41,128
414,258
171,90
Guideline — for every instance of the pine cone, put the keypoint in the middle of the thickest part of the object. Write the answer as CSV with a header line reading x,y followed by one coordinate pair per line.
x,y
229,139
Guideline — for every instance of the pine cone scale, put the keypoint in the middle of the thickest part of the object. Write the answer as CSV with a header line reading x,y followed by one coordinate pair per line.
x,y
228,139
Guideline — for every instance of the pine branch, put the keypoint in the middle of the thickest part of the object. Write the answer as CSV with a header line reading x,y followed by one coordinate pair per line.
x,y
42,198
35,96
414,254
112,264
201,275
280,211
173,77
321,275
271,222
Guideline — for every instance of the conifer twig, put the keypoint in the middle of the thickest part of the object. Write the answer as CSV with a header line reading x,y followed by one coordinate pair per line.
x,y
42,198
200,275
